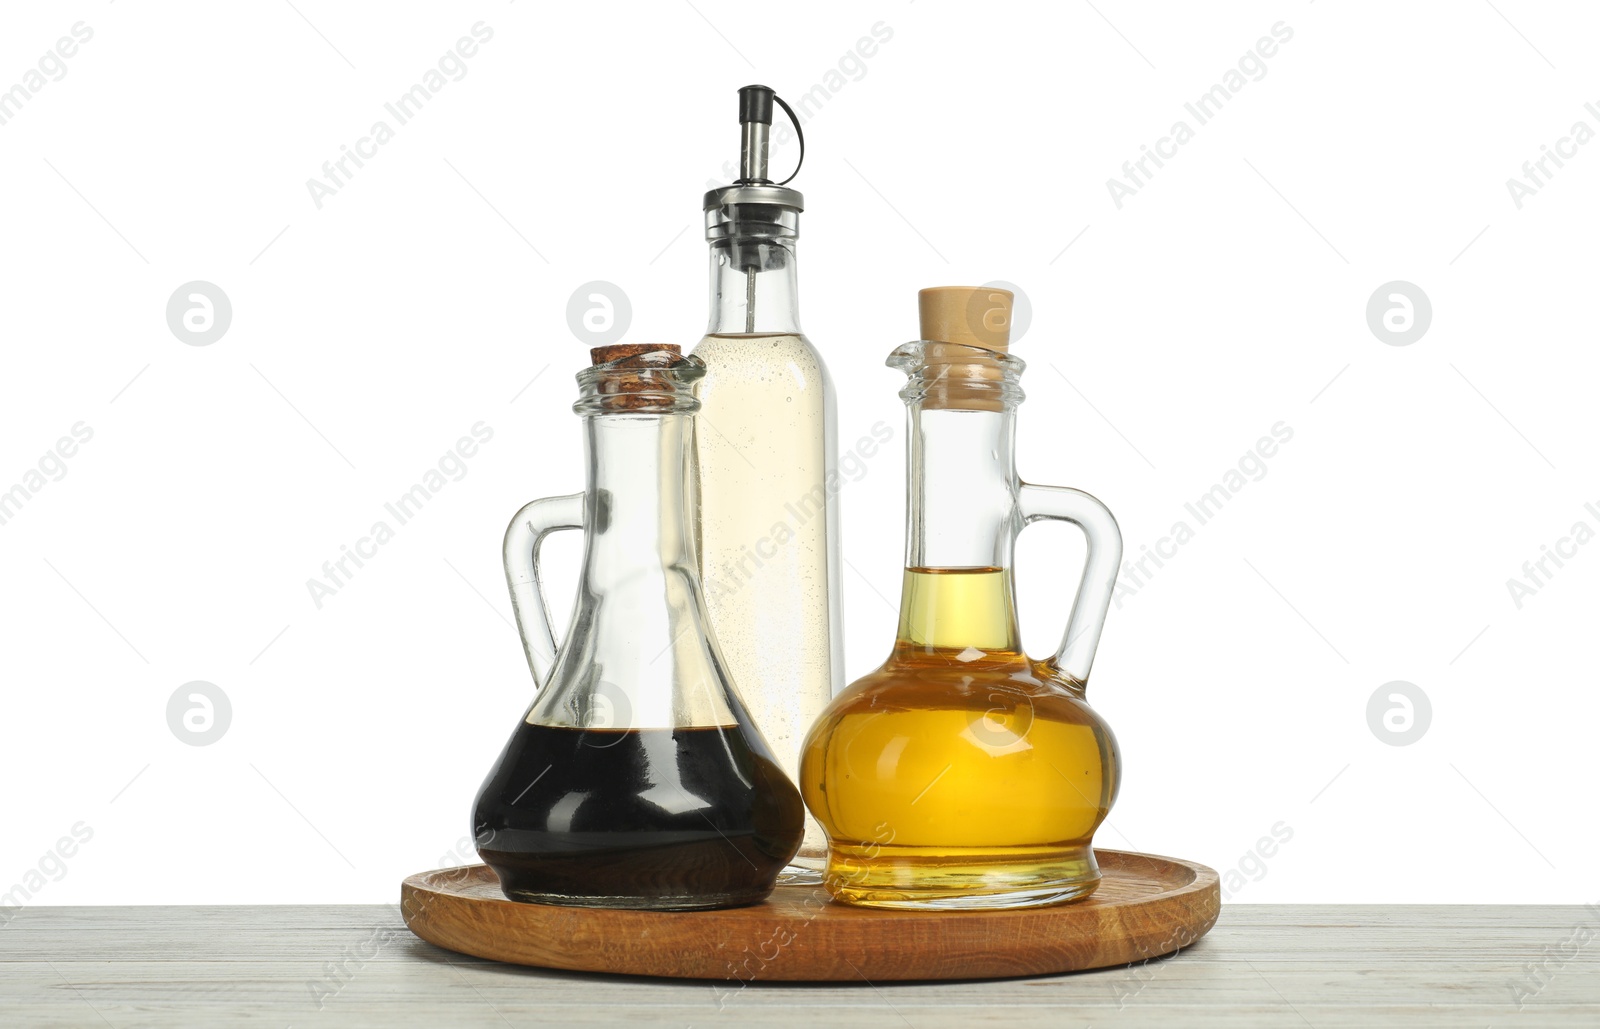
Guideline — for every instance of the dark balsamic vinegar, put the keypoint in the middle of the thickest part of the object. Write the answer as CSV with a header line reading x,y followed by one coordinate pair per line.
x,y
638,818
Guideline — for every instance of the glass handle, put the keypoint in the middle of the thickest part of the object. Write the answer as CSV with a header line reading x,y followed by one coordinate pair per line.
x,y
1089,607
523,536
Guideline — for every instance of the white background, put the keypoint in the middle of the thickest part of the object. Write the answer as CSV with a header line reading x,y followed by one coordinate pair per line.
x,y
1225,296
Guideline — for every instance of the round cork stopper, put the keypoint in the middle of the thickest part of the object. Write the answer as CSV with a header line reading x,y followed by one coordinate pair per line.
x,y
954,319
630,383
978,316
605,355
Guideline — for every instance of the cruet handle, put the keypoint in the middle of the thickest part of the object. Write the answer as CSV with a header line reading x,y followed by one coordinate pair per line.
x,y
523,536
1089,607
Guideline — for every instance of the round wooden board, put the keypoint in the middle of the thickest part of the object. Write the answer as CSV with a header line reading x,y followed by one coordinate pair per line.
x,y
1146,906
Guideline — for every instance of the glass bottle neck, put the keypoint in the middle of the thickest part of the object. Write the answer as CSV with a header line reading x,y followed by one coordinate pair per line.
x,y
753,287
638,654
638,516
962,488
962,519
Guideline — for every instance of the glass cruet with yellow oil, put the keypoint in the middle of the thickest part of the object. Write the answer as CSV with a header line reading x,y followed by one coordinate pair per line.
x,y
964,773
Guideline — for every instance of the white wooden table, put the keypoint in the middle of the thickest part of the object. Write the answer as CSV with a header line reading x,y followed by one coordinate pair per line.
x,y
309,966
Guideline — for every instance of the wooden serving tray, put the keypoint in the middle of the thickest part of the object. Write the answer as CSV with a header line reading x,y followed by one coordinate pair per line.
x,y
1146,906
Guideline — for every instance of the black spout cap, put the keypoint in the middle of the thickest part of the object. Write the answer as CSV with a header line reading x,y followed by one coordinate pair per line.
x,y
755,104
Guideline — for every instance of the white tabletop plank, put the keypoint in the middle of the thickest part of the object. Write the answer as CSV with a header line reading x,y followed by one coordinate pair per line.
x,y
306,966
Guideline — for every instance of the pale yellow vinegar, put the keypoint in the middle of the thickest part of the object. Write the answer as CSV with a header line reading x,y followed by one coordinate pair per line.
x,y
760,471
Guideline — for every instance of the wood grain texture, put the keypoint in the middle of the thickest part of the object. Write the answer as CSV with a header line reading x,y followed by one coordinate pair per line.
x,y
1146,906
311,967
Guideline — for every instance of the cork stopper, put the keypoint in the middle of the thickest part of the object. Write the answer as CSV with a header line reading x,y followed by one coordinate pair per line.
x,y
616,351
978,316
954,321
631,382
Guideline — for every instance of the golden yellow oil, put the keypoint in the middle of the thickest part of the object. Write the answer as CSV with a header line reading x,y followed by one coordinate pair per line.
x,y
960,773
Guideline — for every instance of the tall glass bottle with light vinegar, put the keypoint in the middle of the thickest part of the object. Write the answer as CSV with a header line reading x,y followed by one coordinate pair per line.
x,y
764,465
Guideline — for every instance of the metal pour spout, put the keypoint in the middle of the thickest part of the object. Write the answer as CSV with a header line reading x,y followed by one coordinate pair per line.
x,y
755,122
752,223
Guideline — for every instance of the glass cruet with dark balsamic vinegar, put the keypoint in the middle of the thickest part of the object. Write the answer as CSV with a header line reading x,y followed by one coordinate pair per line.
x,y
963,773
636,779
